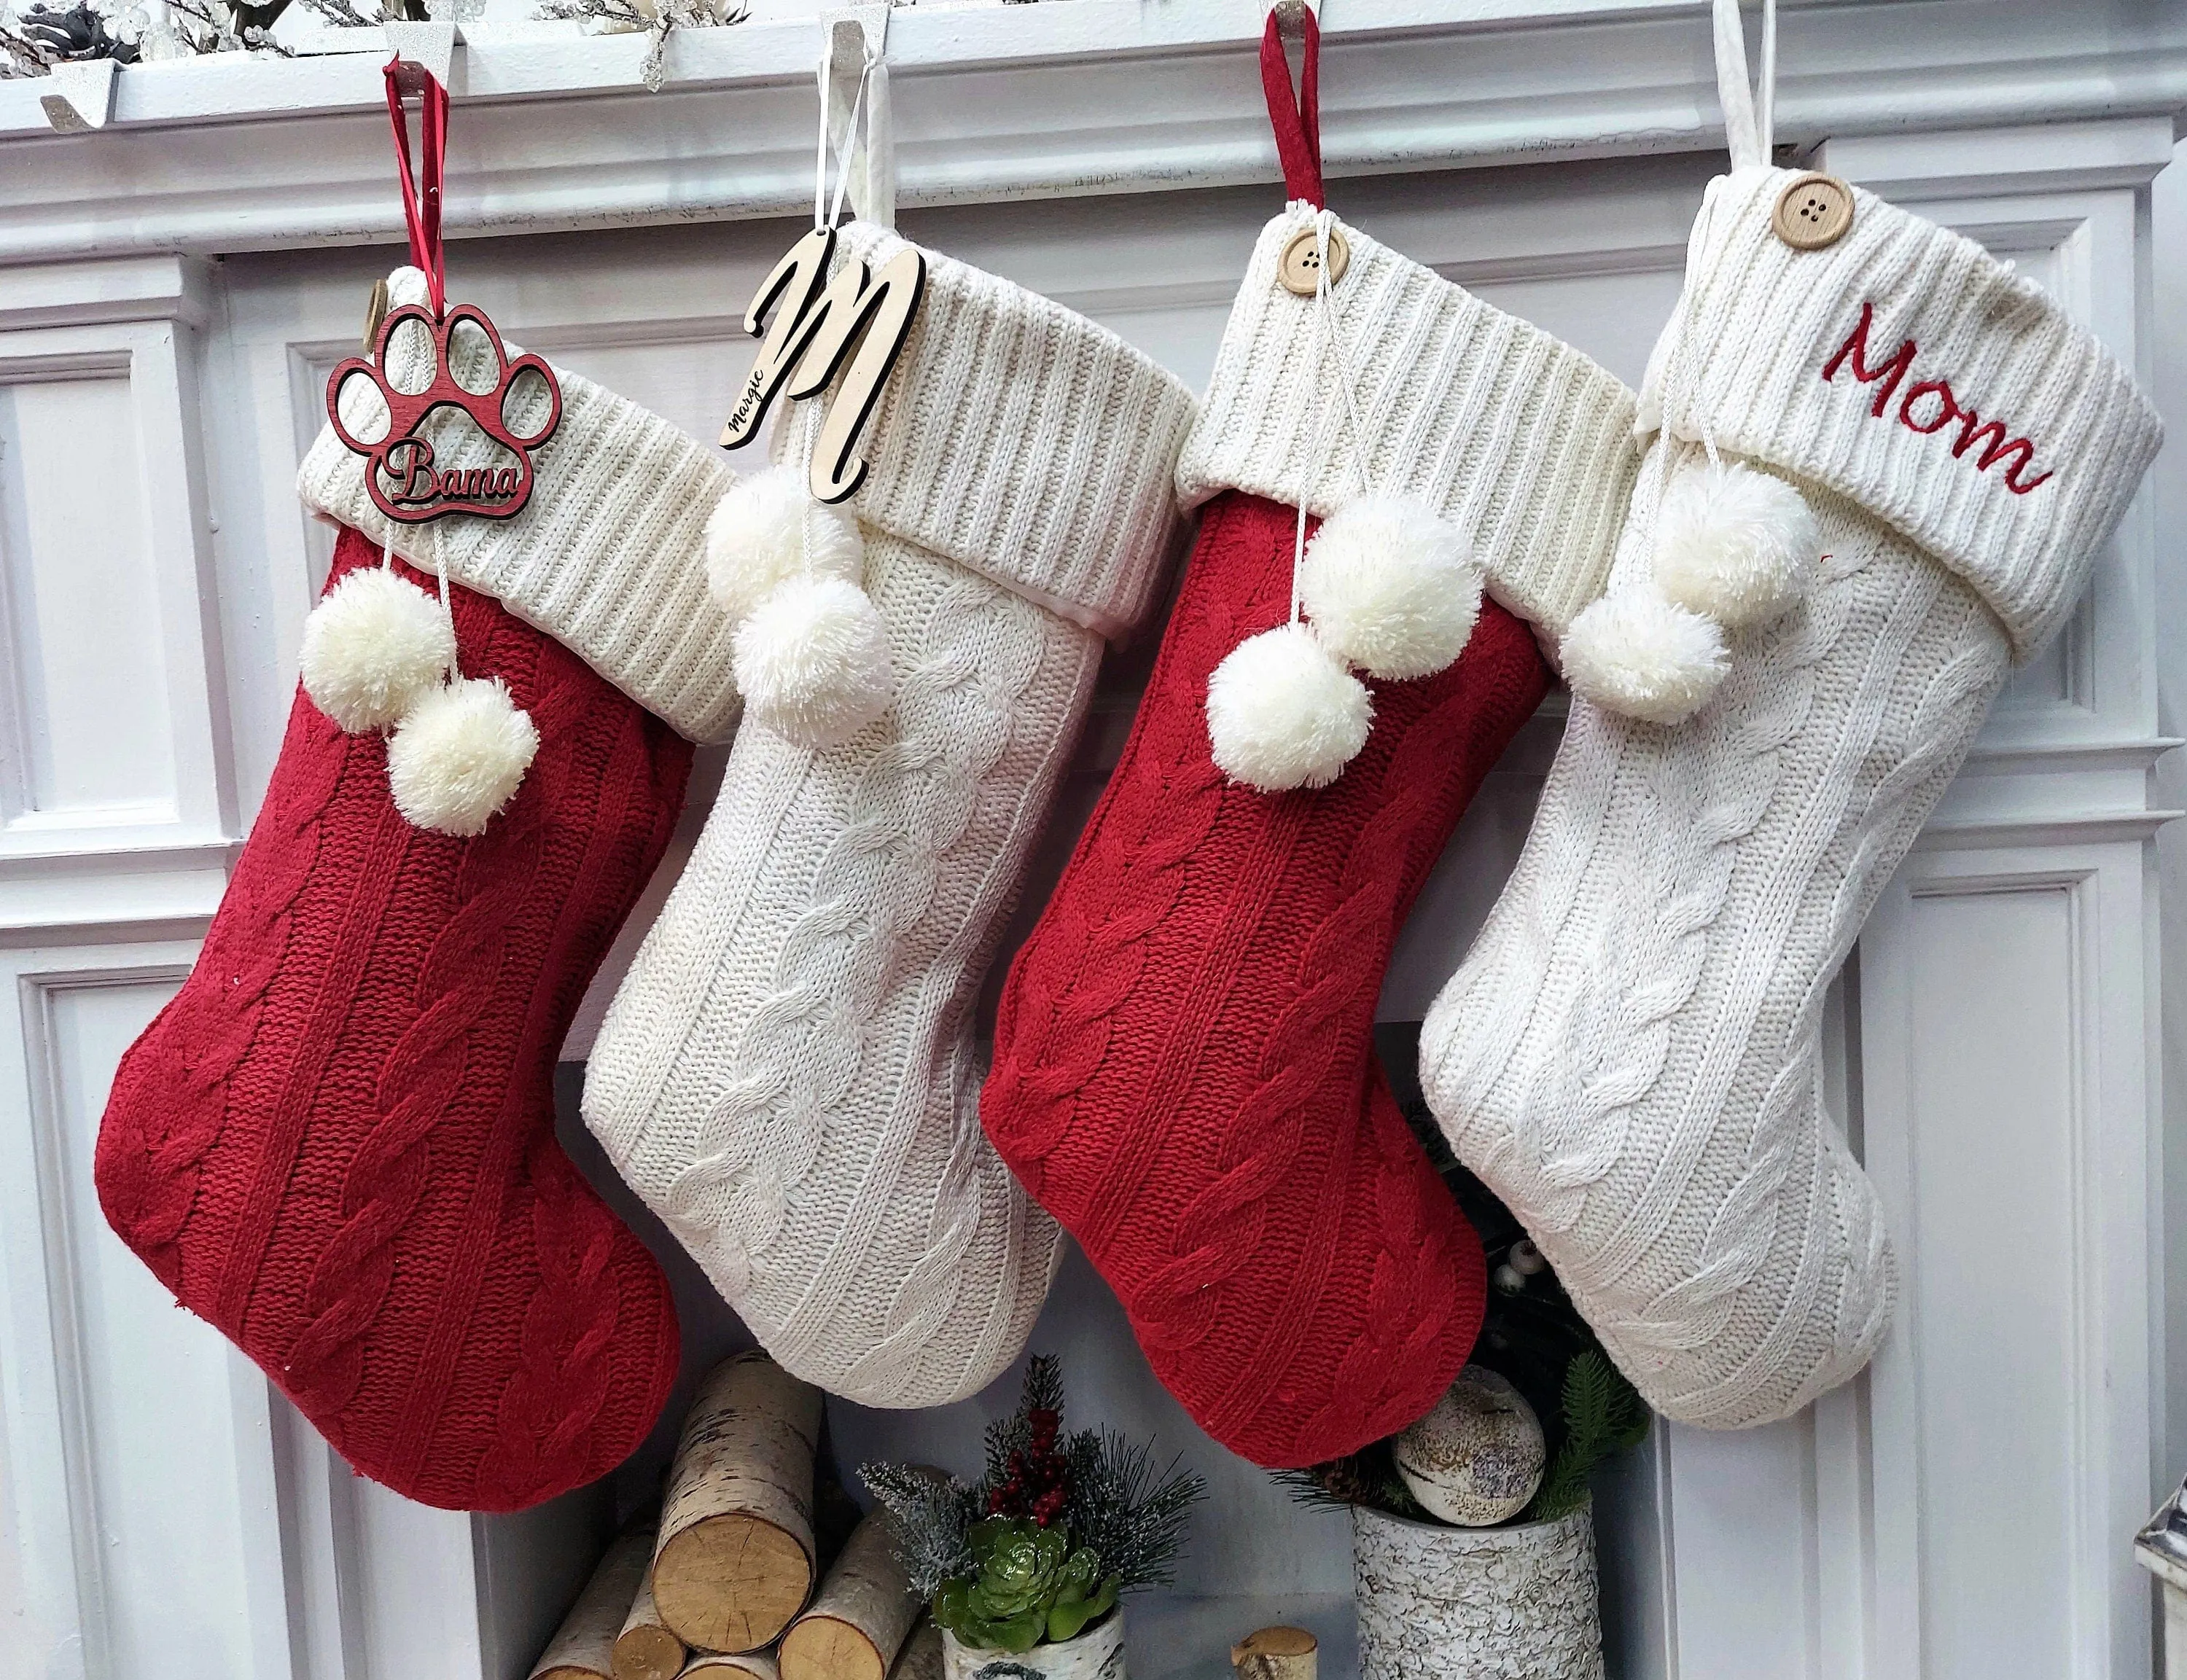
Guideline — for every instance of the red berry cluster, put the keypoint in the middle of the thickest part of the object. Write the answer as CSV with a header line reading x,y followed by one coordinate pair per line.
x,y
1036,1485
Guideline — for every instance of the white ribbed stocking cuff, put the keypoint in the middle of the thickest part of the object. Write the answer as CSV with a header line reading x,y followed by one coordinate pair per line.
x,y
1907,368
608,556
1018,438
1508,432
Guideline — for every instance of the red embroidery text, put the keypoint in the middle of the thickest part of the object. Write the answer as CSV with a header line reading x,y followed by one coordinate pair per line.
x,y
1929,406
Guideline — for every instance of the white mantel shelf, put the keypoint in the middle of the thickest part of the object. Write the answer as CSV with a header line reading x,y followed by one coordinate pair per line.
x,y
231,154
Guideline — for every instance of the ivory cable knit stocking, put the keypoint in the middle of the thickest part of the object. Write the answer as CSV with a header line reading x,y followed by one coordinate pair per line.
x,y
337,1141
787,1074
1183,1070
1629,1056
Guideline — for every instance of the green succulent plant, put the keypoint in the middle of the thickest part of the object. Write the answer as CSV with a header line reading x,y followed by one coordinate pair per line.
x,y
1031,1585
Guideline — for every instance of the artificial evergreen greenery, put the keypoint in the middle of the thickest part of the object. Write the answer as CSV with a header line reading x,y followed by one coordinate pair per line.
x,y
1057,1527
1602,1415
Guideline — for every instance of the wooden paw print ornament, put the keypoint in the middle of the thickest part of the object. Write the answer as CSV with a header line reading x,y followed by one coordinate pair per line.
x,y
403,478
400,475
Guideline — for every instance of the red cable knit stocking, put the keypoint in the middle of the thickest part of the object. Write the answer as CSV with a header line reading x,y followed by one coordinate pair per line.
x,y
337,1142
1185,1074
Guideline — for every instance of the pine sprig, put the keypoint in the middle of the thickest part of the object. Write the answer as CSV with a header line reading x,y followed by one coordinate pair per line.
x,y
930,1518
1603,1414
1133,1516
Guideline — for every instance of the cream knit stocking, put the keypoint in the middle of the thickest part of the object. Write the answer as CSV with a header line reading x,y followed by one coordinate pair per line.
x,y
1629,1056
787,1075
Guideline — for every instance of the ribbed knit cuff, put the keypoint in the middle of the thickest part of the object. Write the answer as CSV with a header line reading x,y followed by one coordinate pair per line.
x,y
1907,368
608,556
1019,439
1508,432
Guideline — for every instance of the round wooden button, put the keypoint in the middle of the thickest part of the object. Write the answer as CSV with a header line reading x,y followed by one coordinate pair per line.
x,y
1300,265
1813,212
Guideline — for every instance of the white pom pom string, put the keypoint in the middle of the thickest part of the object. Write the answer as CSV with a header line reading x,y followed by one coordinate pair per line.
x,y
1391,587
1282,713
459,755
1634,652
812,662
768,528
459,752
1735,544
372,647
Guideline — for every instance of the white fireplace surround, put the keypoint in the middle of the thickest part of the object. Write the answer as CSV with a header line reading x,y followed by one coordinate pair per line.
x,y
172,290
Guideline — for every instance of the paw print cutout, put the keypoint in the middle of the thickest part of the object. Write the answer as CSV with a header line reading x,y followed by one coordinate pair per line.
x,y
404,481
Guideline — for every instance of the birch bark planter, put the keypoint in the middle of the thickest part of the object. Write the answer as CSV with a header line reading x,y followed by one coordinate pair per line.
x,y
1476,1604
1098,1653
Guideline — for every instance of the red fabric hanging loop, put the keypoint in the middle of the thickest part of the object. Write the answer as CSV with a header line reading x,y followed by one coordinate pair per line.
x,y
421,197
1296,120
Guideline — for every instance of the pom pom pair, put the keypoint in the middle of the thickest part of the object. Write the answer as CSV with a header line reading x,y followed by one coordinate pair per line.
x,y
811,650
1389,586
377,651
1735,548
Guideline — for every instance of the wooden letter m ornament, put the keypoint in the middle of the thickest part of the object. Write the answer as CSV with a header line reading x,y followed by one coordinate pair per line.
x,y
861,317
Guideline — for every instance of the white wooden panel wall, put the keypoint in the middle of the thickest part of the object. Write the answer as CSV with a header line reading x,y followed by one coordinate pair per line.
x,y
1962,1511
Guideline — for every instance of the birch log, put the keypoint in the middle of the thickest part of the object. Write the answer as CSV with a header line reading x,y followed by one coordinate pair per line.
x,y
859,1619
920,1659
751,1665
735,1561
1276,1653
645,1650
583,1647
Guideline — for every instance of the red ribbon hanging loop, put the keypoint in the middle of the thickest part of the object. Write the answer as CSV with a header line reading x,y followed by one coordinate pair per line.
x,y
421,198
1296,120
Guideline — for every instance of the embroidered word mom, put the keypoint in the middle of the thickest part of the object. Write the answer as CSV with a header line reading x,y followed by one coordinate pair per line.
x,y
1931,405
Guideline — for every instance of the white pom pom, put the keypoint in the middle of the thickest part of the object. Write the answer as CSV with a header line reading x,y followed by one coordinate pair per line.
x,y
756,537
1283,713
1637,654
372,647
1391,587
813,662
1735,544
459,755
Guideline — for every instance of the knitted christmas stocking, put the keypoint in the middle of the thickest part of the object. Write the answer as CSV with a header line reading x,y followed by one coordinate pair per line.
x,y
337,1142
787,1074
1185,1074
1890,464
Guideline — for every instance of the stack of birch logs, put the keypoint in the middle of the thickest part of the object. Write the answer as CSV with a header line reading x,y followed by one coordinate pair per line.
x,y
722,1586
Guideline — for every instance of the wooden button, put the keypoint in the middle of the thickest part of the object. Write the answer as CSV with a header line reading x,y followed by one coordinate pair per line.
x,y
1298,268
1813,212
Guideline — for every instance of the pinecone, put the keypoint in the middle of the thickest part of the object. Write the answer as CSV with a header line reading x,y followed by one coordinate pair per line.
x,y
77,33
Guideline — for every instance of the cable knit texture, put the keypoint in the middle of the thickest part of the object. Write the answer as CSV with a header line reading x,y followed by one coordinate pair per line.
x,y
1184,1072
1514,437
337,1141
787,1074
606,556
1630,1055
1019,439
